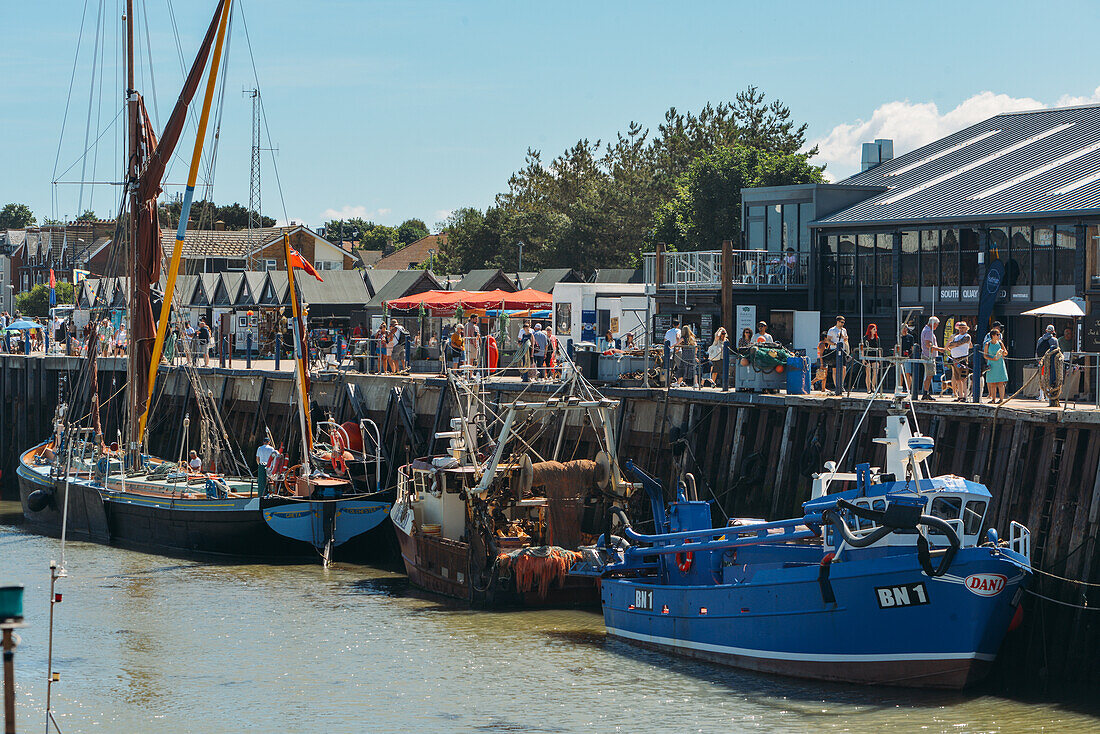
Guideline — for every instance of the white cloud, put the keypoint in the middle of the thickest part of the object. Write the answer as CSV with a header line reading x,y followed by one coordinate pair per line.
x,y
442,215
913,124
349,211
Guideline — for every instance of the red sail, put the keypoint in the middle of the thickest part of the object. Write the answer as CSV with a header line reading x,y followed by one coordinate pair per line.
x,y
148,253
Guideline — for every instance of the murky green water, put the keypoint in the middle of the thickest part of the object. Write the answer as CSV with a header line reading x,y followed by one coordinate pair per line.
x,y
150,644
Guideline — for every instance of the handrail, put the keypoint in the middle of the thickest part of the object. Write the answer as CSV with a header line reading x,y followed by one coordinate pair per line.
x,y
703,269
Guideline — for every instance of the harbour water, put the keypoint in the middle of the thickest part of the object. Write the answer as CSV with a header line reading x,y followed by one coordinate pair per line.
x,y
152,644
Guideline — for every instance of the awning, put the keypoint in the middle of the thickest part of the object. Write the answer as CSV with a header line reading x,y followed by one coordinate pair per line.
x,y
1071,308
446,303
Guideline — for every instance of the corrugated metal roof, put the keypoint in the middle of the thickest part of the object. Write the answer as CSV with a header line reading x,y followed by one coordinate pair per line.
x,y
1045,162
403,283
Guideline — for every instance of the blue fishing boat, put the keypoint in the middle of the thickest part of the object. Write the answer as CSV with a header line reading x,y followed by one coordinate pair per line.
x,y
887,578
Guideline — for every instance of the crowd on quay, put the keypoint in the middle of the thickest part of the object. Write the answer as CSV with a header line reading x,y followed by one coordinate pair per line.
x,y
844,364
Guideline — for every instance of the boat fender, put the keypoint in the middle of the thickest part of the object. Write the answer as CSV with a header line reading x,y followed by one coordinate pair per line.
x,y
39,500
924,554
827,595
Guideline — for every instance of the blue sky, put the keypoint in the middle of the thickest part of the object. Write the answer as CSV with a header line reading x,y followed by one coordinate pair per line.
x,y
389,110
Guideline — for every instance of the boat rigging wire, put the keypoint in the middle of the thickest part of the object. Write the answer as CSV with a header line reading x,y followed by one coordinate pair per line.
x,y
1083,607
68,99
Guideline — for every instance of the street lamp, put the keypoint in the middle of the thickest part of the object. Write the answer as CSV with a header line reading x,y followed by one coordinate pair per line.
x,y
431,260
519,268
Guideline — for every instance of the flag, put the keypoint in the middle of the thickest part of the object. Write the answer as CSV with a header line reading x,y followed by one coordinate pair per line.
x,y
53,292
297,261
79,276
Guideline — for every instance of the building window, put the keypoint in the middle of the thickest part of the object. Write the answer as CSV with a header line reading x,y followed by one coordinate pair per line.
x,y
968,257
805,216
790,227
1065,255
929,258
1020,249
328,265
1042,256
270,264
884,259
775,228
910,259
949,258
1092,254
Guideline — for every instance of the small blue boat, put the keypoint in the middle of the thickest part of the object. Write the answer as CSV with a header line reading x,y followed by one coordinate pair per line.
x,y
887,578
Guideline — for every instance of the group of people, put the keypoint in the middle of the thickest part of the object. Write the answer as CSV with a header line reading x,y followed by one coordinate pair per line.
x,y
834,355
389,345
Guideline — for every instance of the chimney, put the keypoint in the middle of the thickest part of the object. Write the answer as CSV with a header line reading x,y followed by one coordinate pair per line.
x,y
219,226
880,151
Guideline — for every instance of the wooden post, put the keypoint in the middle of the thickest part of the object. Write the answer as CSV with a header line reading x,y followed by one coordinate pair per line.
x,y
727,287
9,681
784,458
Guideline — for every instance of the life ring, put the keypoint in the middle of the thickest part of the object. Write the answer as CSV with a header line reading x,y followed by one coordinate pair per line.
x,y
685,560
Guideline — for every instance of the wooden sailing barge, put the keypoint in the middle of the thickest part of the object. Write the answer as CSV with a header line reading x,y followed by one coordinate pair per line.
x,y
82,484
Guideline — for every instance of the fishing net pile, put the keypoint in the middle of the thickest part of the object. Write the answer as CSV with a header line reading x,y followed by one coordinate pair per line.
x,y
564,484
765,358
538,567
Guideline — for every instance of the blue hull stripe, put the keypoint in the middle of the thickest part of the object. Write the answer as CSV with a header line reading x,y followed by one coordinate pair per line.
x,y
801,657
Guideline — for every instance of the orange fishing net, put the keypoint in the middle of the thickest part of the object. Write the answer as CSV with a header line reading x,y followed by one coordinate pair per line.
x,y
539,567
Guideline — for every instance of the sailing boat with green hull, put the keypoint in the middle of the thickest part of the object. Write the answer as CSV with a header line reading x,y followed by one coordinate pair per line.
x,y
79,483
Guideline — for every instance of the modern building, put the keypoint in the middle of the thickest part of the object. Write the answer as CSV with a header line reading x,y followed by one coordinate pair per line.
x,y
920,230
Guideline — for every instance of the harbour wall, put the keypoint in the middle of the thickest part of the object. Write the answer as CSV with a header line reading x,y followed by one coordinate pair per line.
x,y
752,454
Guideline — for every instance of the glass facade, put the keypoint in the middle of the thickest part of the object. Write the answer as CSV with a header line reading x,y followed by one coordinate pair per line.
x,y
944,264
776,227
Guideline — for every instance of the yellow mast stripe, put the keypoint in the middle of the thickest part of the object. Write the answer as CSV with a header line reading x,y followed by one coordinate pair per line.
x,y
177,249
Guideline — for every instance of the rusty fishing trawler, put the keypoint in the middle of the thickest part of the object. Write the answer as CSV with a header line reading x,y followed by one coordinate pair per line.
x,y
493,521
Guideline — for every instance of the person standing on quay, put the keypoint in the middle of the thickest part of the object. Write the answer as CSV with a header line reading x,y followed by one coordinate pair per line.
x,y
928,349
960,346
838,340
872,347
906,342
997,375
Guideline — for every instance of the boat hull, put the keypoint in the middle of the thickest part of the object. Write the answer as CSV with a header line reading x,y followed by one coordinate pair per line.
x,y
880,630
194,527
443,566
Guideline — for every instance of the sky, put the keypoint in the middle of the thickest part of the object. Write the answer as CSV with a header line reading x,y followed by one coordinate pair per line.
x,y
391,110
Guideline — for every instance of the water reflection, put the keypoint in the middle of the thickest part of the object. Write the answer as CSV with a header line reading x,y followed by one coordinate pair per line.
x,y
151,644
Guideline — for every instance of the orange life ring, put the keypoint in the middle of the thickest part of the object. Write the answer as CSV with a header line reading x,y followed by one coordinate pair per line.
x,y
684,561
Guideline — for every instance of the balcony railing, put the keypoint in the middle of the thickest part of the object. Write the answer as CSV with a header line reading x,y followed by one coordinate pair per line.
x,y
751,269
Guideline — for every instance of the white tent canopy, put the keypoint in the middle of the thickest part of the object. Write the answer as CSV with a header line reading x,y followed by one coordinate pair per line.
x,y
1071,308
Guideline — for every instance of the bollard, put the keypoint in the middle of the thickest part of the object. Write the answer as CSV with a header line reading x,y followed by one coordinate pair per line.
x,y
408,353
668,365
46,340
248,350
221,351
278,349
26,342
339,349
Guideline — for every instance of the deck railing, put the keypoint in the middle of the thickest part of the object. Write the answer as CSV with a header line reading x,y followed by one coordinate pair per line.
x,y
751,269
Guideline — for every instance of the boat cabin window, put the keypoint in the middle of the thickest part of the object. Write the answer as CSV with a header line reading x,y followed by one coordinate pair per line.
x,y
972,518
860,522
946,508
422,481
879,505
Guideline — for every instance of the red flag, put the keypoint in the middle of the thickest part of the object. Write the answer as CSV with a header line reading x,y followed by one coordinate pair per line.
x,y
297,261
53,283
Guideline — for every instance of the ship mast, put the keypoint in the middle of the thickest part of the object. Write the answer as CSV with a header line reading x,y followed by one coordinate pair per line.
x,y
133,172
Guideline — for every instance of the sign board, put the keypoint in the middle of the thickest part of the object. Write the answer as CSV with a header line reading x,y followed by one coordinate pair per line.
x,y
588,325
614,325
706,327
662,322
746,319
1090,333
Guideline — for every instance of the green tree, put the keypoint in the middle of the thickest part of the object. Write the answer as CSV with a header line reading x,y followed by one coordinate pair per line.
x,y
706,208
375,236
36,301
204,214
410,231
16,216
87,216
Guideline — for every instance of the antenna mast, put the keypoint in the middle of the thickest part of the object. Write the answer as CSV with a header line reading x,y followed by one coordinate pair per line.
x,y
255,220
